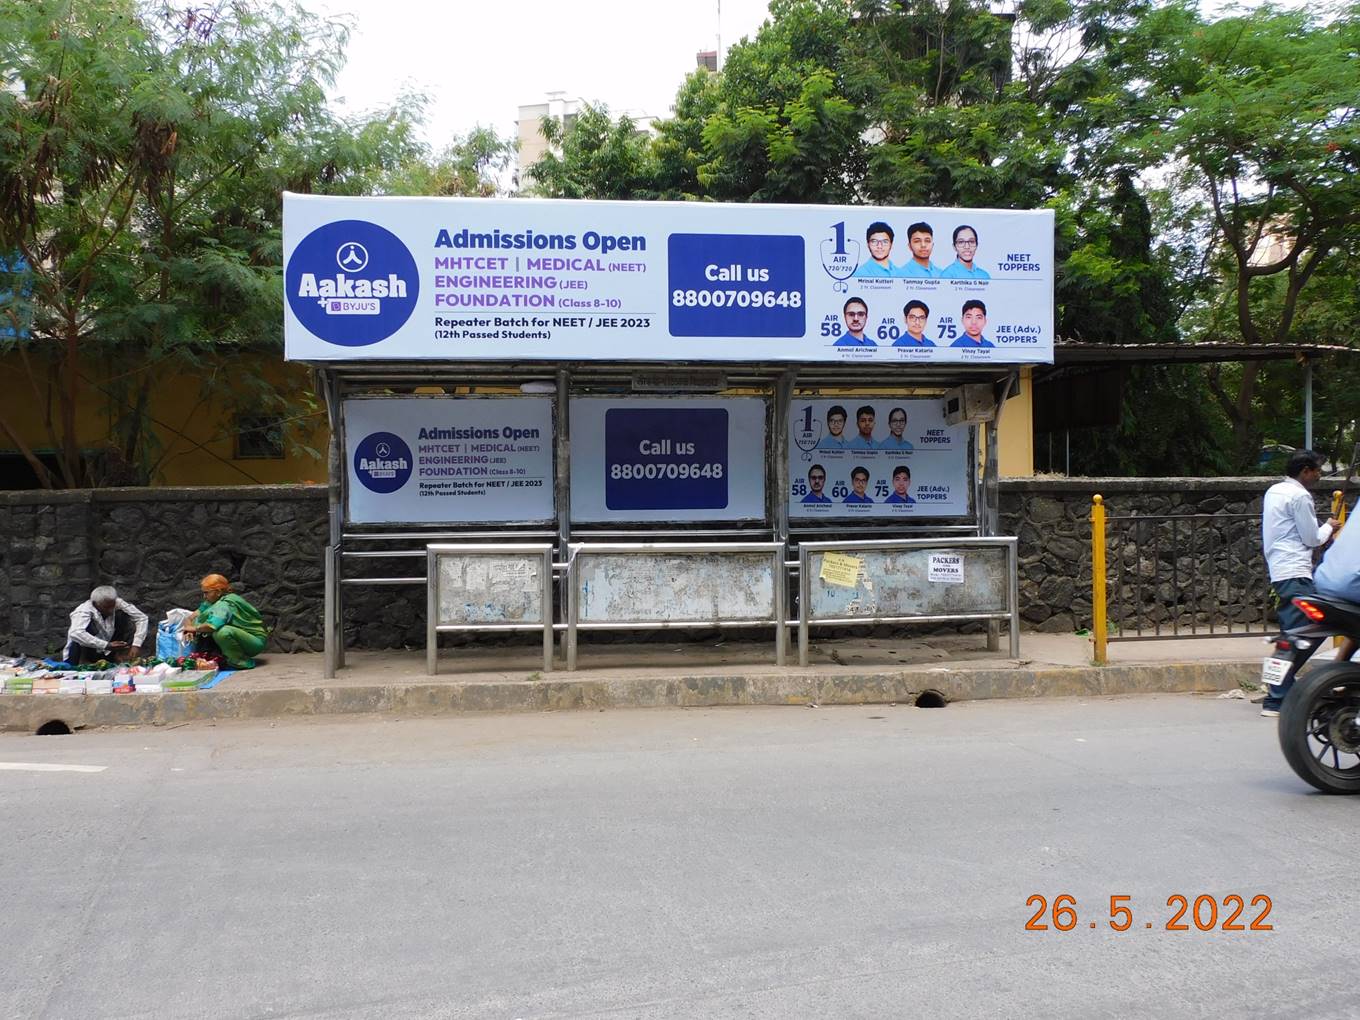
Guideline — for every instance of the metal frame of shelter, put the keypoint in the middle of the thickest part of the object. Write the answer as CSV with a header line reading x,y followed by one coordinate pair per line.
x,y
350,546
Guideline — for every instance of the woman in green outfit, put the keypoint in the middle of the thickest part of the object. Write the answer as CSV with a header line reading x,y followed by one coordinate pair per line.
x,y
230,622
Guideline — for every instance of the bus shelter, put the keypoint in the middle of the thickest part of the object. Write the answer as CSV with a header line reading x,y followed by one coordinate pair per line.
x,y
561,417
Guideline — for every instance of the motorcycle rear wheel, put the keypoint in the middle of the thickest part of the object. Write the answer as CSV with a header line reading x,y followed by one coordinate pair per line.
x,y
1320,728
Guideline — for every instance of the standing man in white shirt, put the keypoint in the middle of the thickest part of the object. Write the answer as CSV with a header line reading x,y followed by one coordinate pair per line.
x,y
1289,534
105,627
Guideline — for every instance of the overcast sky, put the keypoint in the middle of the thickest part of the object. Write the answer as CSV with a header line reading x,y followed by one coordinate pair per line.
x,y
479,61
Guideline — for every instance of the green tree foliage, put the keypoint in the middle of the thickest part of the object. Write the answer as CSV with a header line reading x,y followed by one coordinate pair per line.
x,y
470,166
1258,112
785,129
600,157
679,145
1114,285
144,148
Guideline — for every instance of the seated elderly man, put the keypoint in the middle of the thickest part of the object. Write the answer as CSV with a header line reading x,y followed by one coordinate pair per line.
x,y
105,627
227,623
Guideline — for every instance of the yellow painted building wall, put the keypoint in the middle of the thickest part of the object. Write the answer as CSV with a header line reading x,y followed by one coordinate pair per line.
x,y
194,432
1015,435
195,437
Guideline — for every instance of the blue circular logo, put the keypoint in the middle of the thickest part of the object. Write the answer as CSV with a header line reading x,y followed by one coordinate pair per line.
x,y
382,462
352,283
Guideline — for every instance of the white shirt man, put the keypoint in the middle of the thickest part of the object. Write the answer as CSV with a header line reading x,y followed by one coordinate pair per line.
x,y
105,627
1289,527
1289,534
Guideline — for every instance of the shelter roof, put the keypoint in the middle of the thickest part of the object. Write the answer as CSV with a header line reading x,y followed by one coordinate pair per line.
x,y
1078,352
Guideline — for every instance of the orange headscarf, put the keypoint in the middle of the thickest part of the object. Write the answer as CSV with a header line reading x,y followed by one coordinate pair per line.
x,y
215,582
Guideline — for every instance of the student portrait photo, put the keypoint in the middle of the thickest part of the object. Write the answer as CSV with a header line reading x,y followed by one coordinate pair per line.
x,y
863,438
965,251
921,241
859,481
879,238
915,313
974,322
901,481
856,315
816,483
897,424
835,429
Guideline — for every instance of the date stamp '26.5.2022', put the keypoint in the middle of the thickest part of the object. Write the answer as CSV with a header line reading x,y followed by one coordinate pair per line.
x,y
1230,913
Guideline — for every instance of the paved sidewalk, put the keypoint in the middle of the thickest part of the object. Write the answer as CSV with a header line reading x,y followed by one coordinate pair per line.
x,y
511,679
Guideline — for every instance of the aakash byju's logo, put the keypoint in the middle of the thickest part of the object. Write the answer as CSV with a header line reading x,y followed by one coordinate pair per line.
x,y
382,462
352,283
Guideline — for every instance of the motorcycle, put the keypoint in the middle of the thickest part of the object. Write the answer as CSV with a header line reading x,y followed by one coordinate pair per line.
x,y
1319,727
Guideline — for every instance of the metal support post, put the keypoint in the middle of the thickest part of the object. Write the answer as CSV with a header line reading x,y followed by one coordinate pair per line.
x,y
783,398
562,486
804,571
572,610
328,628
547,611
781,590
990,517
1307,404
431,613
333,612
1013,565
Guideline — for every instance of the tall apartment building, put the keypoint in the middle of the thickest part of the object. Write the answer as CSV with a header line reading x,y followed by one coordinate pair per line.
x,y
532,144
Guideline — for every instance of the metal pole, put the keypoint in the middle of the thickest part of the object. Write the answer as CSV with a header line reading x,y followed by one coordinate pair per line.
x,y
783,398
986,524
328,615
573,567
333,611
1307,404
780,581
1013,565
991,489
431,613
1098,621
547,610
562,486
804,566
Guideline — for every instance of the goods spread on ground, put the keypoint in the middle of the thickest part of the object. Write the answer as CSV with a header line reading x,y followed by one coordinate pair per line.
x,y
22,675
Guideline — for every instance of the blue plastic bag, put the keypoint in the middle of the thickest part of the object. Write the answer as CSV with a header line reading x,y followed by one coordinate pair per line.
x,y
168,643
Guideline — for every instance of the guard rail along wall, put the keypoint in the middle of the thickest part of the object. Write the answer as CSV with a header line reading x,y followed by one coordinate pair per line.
x,y
1178,575
656,585
55,546
488,587
916,580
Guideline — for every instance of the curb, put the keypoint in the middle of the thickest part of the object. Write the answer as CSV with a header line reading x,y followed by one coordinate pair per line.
x,y
25,713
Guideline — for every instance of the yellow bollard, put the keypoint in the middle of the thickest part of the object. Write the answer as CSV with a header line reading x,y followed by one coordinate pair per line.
x,y
1099,626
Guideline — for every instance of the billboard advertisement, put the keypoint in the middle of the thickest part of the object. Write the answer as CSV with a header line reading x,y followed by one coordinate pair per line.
x,y
885,458
524,279
435,460
677,459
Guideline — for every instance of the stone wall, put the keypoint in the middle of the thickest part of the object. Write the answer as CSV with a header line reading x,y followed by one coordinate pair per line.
x,y
1199,559
155,544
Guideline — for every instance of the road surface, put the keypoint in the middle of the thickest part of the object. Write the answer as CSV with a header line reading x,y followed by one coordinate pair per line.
x,y
757,863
